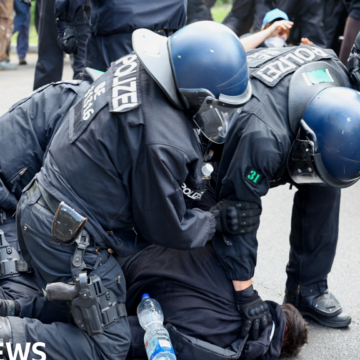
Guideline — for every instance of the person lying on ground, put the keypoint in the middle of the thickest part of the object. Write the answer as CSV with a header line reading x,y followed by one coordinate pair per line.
x,y
198,300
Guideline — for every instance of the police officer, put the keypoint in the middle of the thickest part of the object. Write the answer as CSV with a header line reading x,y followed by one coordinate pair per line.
x,y
123,171
197,10
300,126
25,134
112,23
49,66
197,300
240,18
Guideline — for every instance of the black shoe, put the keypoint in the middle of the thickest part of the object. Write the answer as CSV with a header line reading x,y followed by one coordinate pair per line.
x,y
323,308
22,61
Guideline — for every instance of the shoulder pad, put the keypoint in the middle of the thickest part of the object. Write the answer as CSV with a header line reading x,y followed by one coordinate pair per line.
x,y
86,109
271,65
305,84
124,84
42,88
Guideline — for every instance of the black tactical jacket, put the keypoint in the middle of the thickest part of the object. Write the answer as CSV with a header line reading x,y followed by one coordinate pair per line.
x,y
125,16
125,157
26,132
255,153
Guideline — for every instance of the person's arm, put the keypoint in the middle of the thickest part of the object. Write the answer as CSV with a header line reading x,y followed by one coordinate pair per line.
x,y
66,10
159,208
254,40
353,63
311,22
255,159
25,133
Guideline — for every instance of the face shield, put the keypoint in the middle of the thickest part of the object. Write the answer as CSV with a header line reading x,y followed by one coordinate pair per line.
x,y
214,117
301,165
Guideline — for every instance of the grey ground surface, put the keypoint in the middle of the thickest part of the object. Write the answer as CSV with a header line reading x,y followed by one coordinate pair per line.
x,y
273,243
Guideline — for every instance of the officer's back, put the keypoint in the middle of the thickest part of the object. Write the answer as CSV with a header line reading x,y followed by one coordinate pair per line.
x,y
271,136
125,163
113,16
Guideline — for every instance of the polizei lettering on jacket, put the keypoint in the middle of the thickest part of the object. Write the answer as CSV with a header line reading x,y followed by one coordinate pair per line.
x,y
84,112
192,194
124,94
278,67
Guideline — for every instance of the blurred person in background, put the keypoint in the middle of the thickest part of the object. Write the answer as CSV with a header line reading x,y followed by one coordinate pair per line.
x,y
49,66
240,18
307,15
197,10
352,28
272,35
112,24
335,15
6,26
22,26
278,39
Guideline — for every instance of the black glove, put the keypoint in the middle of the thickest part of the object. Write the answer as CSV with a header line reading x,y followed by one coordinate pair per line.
x,y
67,36
254,311
353,63
236,217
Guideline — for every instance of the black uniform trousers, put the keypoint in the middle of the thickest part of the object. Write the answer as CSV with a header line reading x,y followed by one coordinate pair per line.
x,y
49,67
102,50
49,322
313,238
240,18
197,10
21,288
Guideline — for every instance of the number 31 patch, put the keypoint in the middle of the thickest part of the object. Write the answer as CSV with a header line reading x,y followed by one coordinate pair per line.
x,y
253,176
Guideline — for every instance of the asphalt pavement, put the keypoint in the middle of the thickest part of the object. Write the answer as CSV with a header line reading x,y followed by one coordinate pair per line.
x,y
324,343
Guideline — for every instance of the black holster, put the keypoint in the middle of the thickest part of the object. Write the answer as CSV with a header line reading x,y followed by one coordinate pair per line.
x,y
187,347
93,306
96,307
10,262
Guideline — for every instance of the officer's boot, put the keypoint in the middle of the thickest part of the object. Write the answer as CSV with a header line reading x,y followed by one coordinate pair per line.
x,y
5,336
323,308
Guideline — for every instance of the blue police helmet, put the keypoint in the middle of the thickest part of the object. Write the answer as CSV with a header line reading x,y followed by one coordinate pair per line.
x,y
209,59
273,15
334,116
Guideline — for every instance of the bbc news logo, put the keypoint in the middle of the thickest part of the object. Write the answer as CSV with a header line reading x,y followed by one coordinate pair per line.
x,y
19,354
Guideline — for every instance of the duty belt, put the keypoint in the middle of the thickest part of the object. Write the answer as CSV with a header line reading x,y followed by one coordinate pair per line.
x,y
93,306
46,199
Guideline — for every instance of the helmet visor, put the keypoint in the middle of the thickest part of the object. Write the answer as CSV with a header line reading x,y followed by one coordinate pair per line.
x,y
305,163
215,119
